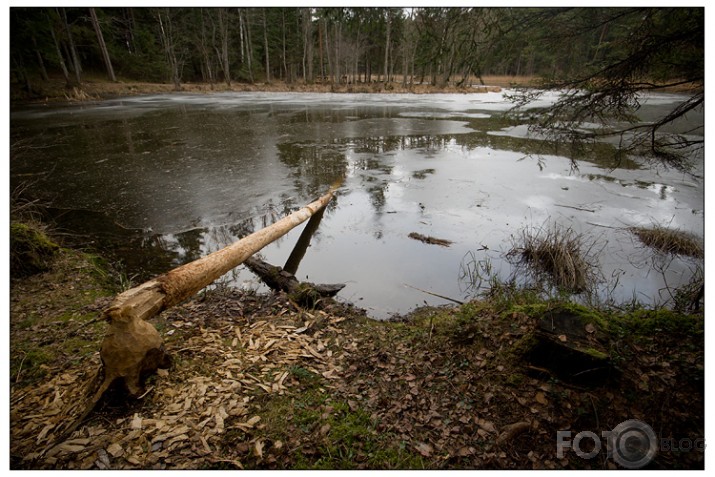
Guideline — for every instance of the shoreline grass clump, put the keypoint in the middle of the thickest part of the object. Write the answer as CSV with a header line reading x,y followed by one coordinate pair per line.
x,y
667,240
31,249
557,255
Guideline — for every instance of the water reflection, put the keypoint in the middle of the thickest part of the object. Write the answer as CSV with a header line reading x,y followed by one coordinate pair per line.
x,y
158,181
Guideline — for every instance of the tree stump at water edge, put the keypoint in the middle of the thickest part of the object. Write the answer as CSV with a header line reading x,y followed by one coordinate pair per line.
x,y
567,345
132,348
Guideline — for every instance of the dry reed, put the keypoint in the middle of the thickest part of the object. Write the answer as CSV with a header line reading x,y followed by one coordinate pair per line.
x,y
667,240
558,255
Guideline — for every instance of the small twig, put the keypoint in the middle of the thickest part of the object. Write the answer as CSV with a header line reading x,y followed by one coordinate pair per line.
x,y
606,226
19,371
435,294
587,371
190,348
595,412
572,207
150,389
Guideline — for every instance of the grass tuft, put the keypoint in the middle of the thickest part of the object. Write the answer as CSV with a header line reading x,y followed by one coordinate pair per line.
x,y
667,240
557,255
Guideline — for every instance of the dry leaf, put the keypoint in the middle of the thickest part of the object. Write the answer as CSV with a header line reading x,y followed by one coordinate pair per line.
x,y
258,448
424,449
487,426
540,398
563,338
513,430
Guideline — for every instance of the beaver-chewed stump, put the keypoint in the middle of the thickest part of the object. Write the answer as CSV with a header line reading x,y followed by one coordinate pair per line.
x,y
567,345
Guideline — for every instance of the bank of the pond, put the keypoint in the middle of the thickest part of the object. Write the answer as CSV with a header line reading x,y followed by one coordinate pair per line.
x,y
56,89
258,382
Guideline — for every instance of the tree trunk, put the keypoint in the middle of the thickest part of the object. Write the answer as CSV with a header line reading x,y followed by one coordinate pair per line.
x,y
73,51
132,347
265,46
21,72
328,56
320,49
223,55
301,246
167,39
243,24
182,282
336,63
308,46
102,45
205,50
305,294
286,77
387,46
61,60
40,61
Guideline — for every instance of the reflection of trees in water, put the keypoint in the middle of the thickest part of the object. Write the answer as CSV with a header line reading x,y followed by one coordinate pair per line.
x,y
377,196
159,253
191,243
383,144
313,166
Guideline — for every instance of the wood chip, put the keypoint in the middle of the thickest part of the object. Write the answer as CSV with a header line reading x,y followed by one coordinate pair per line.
x,y
115,450
136,422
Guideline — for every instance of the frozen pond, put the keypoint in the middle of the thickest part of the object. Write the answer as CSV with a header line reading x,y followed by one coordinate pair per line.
x,y
161,180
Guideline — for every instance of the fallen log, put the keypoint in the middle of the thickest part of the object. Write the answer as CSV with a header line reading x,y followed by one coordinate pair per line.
x,y
132,348
303,293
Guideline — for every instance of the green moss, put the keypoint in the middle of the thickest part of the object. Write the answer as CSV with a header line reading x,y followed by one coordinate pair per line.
x,y
523,345
646,322
306,295
587,315
515,379
596,353
31,364
326,433
31,250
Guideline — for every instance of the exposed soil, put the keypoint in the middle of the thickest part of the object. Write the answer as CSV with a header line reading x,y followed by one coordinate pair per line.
x,y
258,382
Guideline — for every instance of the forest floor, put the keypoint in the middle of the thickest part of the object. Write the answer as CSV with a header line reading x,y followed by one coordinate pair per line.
x,y
258,382
96,88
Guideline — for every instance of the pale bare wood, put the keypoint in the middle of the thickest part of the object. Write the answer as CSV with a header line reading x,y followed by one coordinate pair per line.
x,y
167,290
132,347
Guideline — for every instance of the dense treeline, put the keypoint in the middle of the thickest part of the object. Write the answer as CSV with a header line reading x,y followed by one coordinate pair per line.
x,y
410,45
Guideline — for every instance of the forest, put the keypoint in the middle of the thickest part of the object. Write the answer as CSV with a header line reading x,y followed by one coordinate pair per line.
x,y
649,47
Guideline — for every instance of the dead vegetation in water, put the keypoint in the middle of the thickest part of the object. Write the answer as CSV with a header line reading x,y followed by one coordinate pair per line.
x,y
672,241
557,255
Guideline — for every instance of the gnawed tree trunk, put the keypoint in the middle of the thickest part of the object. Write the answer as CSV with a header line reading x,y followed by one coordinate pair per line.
x,y
132,348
